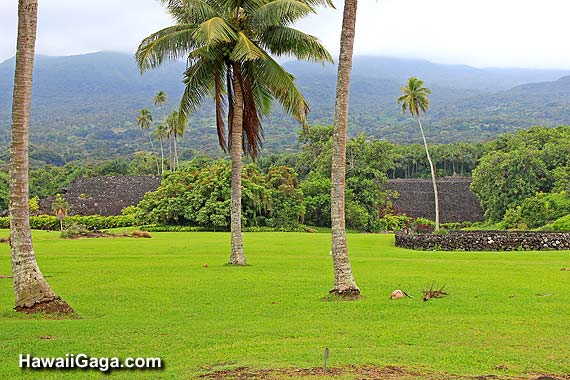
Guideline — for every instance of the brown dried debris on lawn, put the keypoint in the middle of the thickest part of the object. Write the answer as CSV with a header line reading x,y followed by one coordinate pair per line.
x,y
434,292
357,373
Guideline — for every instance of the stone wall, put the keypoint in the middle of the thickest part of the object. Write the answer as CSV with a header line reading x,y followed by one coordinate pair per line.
x,y
485,241
105,195
456,201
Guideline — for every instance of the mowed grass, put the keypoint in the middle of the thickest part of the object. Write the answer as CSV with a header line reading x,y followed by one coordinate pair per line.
x,y
507,313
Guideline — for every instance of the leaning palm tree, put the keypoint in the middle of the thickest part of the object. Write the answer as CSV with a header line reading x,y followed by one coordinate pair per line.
x,y
415,99
229,46
161,134
144,121
344,283
33,294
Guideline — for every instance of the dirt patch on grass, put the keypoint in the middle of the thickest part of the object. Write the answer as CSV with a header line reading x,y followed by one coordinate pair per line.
x,y
55,307
355,373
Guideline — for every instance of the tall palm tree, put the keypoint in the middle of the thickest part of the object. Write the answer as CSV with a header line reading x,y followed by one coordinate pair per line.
x,y
344,283
176,123
229,46
144,121
415,99
33,294
161,134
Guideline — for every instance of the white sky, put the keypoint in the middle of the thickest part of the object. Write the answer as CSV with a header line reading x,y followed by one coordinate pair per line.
x,y
482,33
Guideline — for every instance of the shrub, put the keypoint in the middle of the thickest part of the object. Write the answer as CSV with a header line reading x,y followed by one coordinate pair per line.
x,y
395,223
559,225
91,222
423,226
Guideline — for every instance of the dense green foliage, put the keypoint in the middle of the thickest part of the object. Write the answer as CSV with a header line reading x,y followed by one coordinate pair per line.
x,y
199,195
517,169
154,298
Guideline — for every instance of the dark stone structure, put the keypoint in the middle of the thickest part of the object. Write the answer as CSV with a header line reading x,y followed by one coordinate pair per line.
x,y
485,241
456,201
104,195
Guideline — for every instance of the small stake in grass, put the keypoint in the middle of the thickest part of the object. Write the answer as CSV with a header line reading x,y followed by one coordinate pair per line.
x,y
326,357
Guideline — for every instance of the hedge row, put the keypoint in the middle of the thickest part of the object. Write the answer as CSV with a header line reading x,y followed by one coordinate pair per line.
x,y
91,222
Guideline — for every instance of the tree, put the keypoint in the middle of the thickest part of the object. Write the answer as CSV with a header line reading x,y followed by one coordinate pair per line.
x,y
33,294
160,99
144,121
161,134
344,283
229,47
415,100
176,126
60,209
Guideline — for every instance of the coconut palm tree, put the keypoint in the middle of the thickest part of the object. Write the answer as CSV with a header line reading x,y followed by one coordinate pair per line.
x,y
144,121
344,283
229,46
33,294
161,134
160,99
415,99
176,123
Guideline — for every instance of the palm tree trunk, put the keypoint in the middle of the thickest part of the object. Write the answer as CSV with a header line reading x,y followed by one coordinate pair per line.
x,y
436,196
174,154
237,256
161,158
170,151
344,283
152,151
33,294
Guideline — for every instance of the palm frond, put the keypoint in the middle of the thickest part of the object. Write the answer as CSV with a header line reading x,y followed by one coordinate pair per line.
x,y
245,50
282,40
282,87
190,11
279,13
199,80
214,30
170,43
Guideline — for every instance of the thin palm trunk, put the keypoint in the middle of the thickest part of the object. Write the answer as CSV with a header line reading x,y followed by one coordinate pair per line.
x,y
161,158
170,151
152,151
344,283
237,256
33,294
175,155
436,196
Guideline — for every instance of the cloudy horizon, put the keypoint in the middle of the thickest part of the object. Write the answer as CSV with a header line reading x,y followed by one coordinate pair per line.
x,y
521,34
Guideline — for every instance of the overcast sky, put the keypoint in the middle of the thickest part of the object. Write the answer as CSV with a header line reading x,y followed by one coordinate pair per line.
x,y
482,33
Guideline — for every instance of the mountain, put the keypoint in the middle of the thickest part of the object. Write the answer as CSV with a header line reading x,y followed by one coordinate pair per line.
x,y
85,106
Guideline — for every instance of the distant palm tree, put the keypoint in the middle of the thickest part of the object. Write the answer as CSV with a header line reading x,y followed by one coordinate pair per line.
x,y
229,46
161,134
344,283
144,121
33,294
415,99
176,123
160,99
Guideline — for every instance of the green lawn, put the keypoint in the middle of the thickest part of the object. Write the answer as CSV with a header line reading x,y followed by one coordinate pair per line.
x,y
153,297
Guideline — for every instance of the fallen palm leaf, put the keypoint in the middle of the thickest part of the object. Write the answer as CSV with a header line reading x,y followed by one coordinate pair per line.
x,y
434,292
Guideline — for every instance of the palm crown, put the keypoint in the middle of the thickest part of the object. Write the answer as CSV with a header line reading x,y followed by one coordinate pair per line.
x,y
229,40
415,97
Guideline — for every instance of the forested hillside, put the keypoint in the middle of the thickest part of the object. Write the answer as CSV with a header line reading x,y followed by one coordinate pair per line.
x,y
85,106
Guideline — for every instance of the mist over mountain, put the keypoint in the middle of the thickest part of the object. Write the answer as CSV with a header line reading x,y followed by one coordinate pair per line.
x,y
86,105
